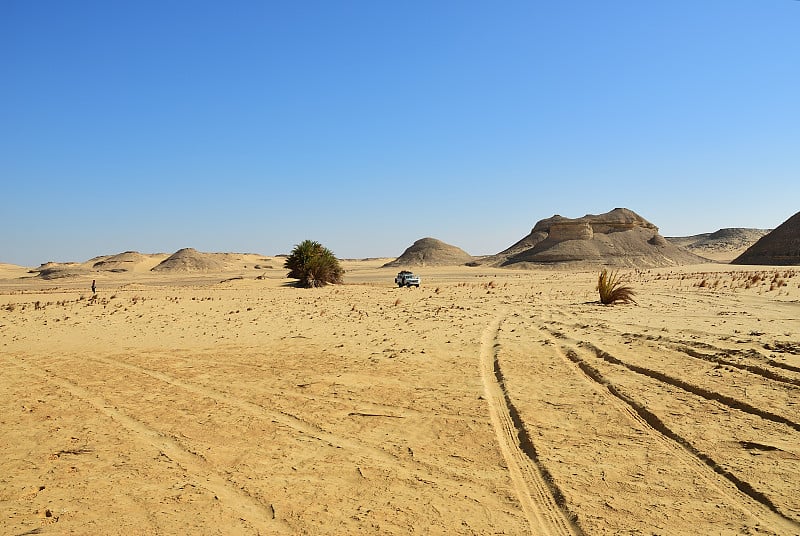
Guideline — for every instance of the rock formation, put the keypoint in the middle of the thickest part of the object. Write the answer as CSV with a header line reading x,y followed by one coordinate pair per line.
x,y
431,252
780,247
617,238
722,245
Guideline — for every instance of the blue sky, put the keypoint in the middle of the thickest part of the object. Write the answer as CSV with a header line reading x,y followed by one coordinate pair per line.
x,y
251,126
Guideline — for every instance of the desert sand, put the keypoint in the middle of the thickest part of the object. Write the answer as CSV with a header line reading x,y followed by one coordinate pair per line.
x,y
488,401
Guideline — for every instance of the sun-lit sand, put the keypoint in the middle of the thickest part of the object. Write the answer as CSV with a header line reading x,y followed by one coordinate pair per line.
x,y
488,401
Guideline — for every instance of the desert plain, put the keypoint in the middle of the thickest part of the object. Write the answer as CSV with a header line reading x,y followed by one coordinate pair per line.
x,y
487,401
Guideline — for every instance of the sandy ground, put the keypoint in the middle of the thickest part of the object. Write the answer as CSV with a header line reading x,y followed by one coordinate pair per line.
x,y
485,402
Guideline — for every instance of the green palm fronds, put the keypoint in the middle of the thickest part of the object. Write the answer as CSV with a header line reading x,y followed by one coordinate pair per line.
x,y
313,265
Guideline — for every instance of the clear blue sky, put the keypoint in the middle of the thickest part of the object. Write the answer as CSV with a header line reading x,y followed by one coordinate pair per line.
x,y
250,126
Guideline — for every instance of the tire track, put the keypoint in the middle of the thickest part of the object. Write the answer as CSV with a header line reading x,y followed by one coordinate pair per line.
x,y
740,492
363,406
542,501
244,505
725,400
279,417
721,355
753,369
662,377
419,470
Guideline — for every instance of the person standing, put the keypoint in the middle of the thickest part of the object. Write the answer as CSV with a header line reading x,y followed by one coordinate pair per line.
x,y
94,287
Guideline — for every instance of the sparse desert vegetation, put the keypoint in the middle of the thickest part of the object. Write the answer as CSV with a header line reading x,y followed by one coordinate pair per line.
x,y
612,288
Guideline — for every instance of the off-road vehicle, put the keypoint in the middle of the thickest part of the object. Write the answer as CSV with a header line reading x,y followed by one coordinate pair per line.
x,y
407,279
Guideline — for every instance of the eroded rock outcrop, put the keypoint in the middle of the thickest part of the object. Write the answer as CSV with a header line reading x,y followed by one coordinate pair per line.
x,y
780,247
617,238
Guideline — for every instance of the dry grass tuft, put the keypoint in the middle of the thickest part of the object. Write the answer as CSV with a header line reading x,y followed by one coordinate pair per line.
x,y
612,290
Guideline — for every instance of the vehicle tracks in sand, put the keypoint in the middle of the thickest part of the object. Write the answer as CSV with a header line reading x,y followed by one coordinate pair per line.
x,y
671,380
737,491
749,360
541,499
417,469
728,401
243,505
278,417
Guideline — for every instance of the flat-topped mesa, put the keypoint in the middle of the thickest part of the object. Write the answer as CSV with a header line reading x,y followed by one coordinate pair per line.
x,y
619,219
617,238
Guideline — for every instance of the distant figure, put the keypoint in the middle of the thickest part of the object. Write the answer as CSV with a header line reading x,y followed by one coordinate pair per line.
x,y
93,287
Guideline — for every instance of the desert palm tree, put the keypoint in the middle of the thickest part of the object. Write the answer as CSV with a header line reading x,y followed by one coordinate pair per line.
x,y
313,265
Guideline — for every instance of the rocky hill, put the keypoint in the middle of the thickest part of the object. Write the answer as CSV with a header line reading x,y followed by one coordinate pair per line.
x,y
780,247
617,238
431,252
723,245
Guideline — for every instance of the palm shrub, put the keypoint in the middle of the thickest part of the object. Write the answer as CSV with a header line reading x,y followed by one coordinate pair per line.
x,y
313,265
612,289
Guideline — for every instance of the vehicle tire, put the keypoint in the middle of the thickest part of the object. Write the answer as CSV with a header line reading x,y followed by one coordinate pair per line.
x,y
399,285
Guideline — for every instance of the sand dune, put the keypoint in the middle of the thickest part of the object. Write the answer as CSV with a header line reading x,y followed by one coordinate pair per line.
x,y
190,260
129,261
487,401
123,262
149,268
12,271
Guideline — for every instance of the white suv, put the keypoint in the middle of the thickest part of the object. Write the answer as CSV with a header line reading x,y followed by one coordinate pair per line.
x,y
407,279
